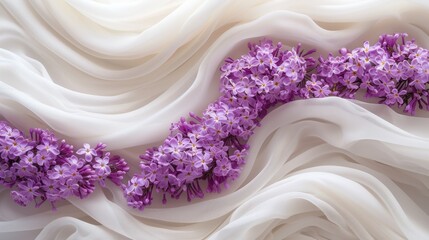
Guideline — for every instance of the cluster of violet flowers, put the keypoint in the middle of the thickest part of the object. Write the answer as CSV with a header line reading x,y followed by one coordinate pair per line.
x,y
393,70
212,148
42,168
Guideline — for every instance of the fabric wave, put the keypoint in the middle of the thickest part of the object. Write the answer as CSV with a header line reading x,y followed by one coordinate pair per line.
x,y
121,72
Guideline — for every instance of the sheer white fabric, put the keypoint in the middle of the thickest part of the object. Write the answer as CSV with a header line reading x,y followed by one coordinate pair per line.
x,y
121,71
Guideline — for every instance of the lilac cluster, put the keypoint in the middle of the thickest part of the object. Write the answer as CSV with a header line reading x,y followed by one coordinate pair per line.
x,y
203,148
41,168
394,70
212,148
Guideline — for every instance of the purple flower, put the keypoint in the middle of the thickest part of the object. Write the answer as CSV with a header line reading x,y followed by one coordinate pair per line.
x,y
43,158
173,147
23,169
218,130
423,70
48,148
28,158
203,160
182,160
239,156
87,151
291,74
194,143
162,156
75,161
135,185
261,61
20,198
69,188
419,83
395,97
321,91
50,186
165,178
7,175
59,172
216,117
102,166
29,189
19,146
183,142
350,81
73,172
5,148
366,47
150,171
408,69
223,167
264,85
246,87
8,132
187,174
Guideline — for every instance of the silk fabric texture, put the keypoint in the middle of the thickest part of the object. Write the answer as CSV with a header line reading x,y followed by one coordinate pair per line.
x,y
120,72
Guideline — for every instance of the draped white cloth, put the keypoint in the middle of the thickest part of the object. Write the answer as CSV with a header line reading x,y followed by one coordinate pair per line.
x,y
121,71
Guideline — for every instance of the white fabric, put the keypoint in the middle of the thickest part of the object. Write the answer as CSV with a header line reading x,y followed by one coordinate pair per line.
x,y
121,71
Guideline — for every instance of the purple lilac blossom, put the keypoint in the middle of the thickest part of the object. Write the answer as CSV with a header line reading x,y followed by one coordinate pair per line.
x,y
212,148
41,168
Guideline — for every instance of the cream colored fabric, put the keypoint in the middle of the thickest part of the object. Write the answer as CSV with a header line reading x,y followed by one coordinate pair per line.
x,y
121,71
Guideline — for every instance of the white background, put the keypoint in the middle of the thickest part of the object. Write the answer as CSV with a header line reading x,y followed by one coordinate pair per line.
x,y
121,71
